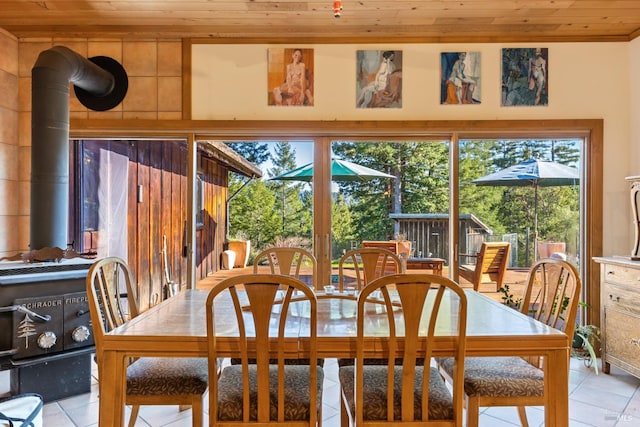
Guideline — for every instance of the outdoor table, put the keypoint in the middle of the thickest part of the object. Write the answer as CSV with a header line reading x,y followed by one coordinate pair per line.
x,y
177,327
433,264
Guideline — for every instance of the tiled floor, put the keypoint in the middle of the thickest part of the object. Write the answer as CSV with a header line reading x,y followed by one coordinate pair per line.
x,y
595,400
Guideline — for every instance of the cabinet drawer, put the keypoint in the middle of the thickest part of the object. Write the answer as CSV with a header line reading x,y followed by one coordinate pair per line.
x,y
621,275
622,336
621,298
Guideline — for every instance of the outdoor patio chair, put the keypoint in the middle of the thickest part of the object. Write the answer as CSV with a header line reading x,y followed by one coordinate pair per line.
x,y
263,388
294,262
490,266
150,380
404,388
551,296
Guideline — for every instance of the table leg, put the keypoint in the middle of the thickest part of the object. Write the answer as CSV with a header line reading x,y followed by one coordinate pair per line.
x,y
112,388
557,388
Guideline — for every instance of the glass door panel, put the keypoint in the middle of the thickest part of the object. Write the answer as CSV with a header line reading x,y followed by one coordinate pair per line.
x,y
277,209
393,194
522,191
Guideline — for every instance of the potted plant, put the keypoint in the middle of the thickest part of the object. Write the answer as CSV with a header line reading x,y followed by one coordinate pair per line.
x,y
509,299
585,340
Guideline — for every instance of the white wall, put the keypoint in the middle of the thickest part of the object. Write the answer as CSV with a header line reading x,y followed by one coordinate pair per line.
x,y
586,81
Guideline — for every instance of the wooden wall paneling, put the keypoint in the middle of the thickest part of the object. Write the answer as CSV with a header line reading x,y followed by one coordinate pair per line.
x,y
157,194
222,203
167,222
199,234
143,248
172,208
132,214
209,219
217,232
180,210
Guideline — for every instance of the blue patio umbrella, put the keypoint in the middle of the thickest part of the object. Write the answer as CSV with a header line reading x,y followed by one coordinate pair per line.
x,y
341,170
535,173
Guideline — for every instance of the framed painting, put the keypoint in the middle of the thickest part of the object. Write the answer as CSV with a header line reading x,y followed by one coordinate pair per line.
x,y
290,77
379,79
460,78
525,76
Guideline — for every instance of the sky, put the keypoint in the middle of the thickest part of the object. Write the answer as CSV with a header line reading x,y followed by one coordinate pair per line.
x,y
304,154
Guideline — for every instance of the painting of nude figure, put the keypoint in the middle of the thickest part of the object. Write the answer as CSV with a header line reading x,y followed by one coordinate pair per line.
x,y
379,79
525,76
460,78
290,77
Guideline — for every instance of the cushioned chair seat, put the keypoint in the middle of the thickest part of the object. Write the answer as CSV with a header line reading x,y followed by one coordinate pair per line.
x,y
375,389
498,376
167,376
296,392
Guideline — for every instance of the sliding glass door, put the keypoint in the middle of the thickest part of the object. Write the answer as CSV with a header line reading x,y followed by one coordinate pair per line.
x,y
393,193
330,195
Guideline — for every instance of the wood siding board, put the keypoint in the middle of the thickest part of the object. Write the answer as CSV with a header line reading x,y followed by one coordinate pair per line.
x,y
132,215
156,194
166,207
143,230
183,213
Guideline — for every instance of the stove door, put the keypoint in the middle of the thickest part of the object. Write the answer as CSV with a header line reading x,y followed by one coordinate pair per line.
x,y
77,321
33,337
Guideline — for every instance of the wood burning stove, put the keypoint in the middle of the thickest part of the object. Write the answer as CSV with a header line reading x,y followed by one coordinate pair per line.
x,y
47,339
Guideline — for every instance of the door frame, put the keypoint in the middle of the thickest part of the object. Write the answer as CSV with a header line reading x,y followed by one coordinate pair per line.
x,y
592,130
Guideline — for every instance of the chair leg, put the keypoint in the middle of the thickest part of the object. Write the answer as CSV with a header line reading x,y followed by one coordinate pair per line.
x,y
134,415
522,413
473,411
196,413
344,417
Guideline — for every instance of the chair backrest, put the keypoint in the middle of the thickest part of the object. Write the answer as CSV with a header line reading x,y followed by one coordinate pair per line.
x,y
552,294
492,261
402,248
287,261
402,311
107,283
276,319
390,245
368,264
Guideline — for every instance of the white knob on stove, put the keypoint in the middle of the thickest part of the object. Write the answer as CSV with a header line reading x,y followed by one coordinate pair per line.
x,y
47,340
80,334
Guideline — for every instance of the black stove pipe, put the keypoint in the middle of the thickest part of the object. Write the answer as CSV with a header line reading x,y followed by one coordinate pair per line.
x,y
97,87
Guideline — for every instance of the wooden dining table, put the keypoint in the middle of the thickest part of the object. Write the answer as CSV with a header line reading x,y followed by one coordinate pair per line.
x,y
177,327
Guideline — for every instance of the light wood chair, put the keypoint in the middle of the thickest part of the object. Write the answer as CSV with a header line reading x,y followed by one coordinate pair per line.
x,y
289,262
405,390
150,380
368,264
516,381
255,391
491,265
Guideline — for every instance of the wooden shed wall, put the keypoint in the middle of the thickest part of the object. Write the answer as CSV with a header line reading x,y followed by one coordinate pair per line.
x,y
158,172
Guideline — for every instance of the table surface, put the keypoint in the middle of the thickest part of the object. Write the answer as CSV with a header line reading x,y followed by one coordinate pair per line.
x,y
177,327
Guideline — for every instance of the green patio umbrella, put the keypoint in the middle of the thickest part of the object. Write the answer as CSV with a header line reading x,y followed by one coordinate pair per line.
x,y
341,170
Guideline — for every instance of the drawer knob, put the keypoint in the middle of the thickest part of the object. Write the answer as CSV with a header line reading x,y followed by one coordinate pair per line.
x,y
611,297
635,341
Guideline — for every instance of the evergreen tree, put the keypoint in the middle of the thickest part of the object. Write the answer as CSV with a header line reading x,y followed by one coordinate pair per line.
x,y
252,214
342,229
295,217
255,152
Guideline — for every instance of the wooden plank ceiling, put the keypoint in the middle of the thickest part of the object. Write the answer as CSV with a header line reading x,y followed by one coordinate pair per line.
x,y
311,21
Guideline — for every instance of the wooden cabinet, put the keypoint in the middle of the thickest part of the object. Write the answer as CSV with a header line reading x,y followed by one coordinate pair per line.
x,y
620,313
